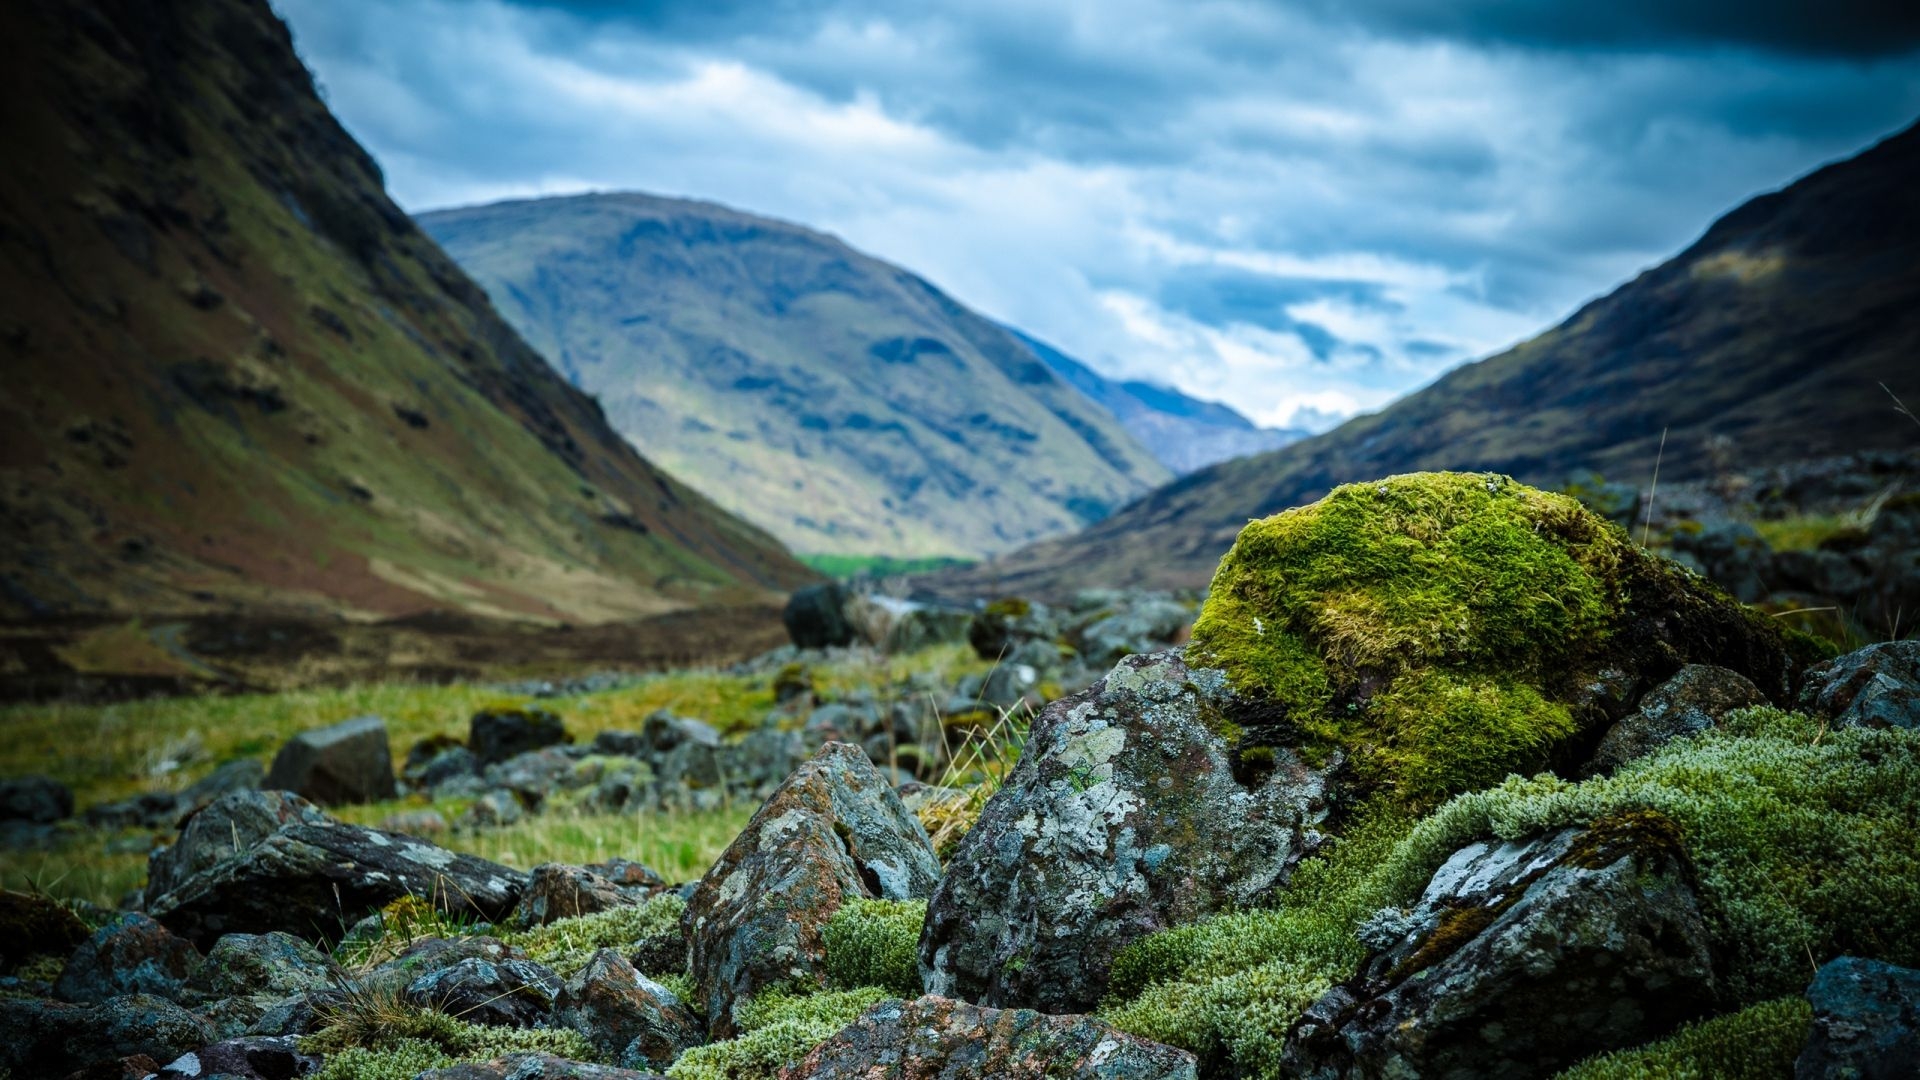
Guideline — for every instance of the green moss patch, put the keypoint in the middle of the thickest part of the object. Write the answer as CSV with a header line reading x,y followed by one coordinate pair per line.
x,y
876,943
1759,1042
778,1029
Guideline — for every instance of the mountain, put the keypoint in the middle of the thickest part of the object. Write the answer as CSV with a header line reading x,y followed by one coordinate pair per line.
x,y
843,404
240,379
1765,342
1183,432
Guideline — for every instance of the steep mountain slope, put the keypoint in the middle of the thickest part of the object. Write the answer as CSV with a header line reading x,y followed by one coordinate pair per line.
x,y
1775,330
1183,432
841,403
240,379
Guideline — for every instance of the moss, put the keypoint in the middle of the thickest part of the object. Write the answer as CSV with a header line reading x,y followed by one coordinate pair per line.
x,y
565,945
876,943
403,1060
778,1028
1010,607
1759,1042
49,925
793,680
1435,626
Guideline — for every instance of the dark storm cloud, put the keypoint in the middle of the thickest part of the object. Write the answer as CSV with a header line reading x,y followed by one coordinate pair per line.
x,y
1304,207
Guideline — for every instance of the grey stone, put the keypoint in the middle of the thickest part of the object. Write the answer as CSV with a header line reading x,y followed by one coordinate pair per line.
x,y
1124,816
130,955
1695,699
494,736
1878,686
52,1038
38,799
225,827
1866,1022
250,1058
349,762
625,1015
815,617
506,993
534,1066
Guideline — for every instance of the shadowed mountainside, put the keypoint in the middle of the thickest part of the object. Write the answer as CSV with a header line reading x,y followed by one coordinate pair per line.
x,y
1775,331
841,403
241,379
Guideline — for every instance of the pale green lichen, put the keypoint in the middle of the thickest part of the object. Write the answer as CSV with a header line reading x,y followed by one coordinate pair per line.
x,y
566,945
876,943
777,1030
396,1042
1759,1042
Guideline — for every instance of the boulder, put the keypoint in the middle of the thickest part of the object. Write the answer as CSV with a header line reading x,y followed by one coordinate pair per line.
x,y
494,735
253,971
558,891
51,1038
349,762
449,765
428,955
1878,686
895,626
1690,702
131,1067
255,1058
1147,626
40,800
314,878
32,924
1006,624
130,955
1520,959
936,1038
425,824
1866,1022
224,827
534,1066
816,618
628,1017
617,743
1129,812
491,810
833,830
504,993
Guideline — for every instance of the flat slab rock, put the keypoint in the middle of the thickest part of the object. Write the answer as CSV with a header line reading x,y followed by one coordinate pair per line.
x,y
833,830
1123,817
313,879
936,1038
1519,960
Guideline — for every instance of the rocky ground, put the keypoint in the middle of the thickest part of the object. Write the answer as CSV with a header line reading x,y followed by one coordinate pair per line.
x,y
1446,778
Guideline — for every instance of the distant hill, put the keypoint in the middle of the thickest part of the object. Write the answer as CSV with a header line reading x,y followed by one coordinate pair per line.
x,y
843,404
1775,331
1183,432
240,379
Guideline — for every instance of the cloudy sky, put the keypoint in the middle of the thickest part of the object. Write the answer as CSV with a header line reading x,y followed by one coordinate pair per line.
x,y
1302,209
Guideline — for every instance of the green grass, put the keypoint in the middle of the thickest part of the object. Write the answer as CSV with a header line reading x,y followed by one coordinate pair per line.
x,y
1804,532
846,566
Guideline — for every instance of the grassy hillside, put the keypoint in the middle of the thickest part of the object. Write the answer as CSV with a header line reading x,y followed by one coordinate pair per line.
x,y
1775,331
240,378
842,404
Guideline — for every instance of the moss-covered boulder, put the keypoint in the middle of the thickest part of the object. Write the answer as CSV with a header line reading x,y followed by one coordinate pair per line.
x,y
1446,629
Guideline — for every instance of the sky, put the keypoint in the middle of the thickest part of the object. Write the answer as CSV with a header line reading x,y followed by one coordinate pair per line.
x,y
1301,209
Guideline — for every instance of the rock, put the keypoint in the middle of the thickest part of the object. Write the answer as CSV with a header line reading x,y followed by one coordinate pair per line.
x,y
533,1066
131,1067
349,762
1128,813
1520,959
1866,1022
448,766
256,1058
429,955
1687,704
557,891
896,626
615,743
815,617
631,1019
936,1038
422,823
1144,627
315,878
660,954
41,800
272,965
495,735
490,811
1008,623
227,825
833,830
35,925
147,810
1007,685
662,732
130,955
505,993
1878,686
240,774
51,1038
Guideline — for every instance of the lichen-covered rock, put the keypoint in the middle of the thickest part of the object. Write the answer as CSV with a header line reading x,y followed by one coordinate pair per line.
x,y
1445,629
1008,623
936,1038
314,878
533,1066
52,1038
558,891
274,964
1147,626
1690,702
1878,686
1866,1022
32,924
223,827
1519,959
428,955
348,762
1130,811
494,735
626,1016
505,993
130,955
492,810
253,1058
834,830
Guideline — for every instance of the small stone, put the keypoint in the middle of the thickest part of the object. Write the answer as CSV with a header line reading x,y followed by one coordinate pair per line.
x,y
41,800
130,955
1878,686
49,1038
494,736
1695,699
350,762
627,1016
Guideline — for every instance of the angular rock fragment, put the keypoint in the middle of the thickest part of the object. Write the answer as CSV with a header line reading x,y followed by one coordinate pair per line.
x,y
631,1019
504,993
1692,701
52,1038
254,1058
349,762
1878,686
130,955
494,736
1866,1022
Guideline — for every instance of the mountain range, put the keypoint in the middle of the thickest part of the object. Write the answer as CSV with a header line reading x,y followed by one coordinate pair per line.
x,y
240,378
843,404
1789,330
